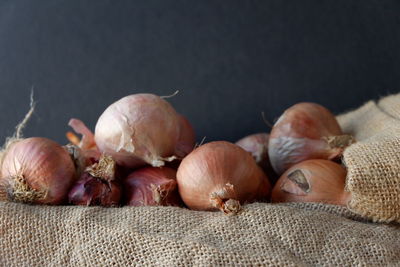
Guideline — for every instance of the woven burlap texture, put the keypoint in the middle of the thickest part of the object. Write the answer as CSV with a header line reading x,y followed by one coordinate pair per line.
x,y
264,234
299,234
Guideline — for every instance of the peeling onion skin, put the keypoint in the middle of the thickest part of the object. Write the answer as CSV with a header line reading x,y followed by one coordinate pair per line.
x,y
220,175
37,171
315,180
139,129
257,146
151,186
305,131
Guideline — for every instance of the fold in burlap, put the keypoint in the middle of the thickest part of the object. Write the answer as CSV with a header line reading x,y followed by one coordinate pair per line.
x,y
373,163
300,234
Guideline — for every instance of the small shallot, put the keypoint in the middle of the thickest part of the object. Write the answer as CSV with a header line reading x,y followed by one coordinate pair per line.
x,y
97,185
36,170
221,176
257,146
141,129
305,131
315,180
151,186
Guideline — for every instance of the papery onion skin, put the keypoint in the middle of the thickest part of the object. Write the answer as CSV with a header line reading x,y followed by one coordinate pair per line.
x,y
139,129
37,170
305,131
88,153
218,174
257,146
151,186
315,180
79,127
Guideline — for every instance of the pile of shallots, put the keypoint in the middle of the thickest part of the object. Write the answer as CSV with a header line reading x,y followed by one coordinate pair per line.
x,y
143,153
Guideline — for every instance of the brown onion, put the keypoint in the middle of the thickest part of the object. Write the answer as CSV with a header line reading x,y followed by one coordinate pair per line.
x,y
36,170
221,176
314,180
257,145
305,131
97,185
151,186
140,129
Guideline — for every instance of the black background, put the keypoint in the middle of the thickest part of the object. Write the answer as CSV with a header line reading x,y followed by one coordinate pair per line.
x,y
229,59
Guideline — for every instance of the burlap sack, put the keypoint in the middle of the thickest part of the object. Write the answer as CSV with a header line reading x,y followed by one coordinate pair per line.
x,y
373,163
263,234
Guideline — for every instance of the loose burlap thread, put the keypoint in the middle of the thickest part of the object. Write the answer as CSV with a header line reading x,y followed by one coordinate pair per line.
x,y
294,234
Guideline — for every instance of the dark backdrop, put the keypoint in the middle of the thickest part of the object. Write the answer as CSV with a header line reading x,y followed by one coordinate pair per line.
x,y
229,59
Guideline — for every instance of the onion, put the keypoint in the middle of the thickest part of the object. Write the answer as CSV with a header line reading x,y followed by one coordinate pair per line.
x,y
257,145
36,170
97,186
93,191
140,129
220,176
316,180
187,138
305,131
151,186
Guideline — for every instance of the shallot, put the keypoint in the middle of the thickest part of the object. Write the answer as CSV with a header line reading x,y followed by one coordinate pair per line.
x,y
141,129
305,131
151,186
36,170
257,146
315,180
221,176
97,185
